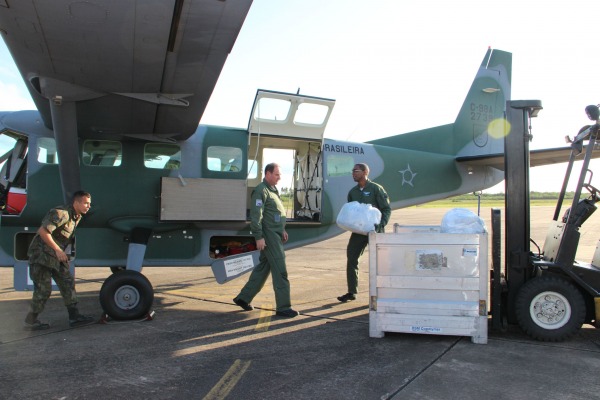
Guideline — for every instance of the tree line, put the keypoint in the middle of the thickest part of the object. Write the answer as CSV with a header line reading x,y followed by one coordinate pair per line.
x,y
500,196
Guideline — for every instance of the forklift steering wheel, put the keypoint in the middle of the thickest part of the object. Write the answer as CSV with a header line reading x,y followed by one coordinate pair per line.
x,y
593,191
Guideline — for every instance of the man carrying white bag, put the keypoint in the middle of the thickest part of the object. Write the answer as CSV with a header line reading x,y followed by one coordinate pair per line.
x,y
358,218
368,209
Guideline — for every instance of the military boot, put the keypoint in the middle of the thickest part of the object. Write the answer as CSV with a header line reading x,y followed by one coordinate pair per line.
x,y
34,324
76,319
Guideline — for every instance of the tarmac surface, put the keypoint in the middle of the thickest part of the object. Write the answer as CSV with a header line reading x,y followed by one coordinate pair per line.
x,y
199,345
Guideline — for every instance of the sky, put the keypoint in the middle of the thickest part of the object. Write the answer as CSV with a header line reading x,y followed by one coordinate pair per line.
x,y
399,66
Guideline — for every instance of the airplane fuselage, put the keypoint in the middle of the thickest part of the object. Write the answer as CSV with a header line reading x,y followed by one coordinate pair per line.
x,y
126,193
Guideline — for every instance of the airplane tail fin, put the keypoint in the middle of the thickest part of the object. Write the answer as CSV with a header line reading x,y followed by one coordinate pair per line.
x,y
478,126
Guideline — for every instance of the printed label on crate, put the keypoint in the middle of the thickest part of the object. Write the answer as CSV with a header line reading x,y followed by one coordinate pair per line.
x,y
470,252
430,260
425,329
238,265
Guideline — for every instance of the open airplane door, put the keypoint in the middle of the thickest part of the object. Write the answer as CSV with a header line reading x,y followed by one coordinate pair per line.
x,y
287,129
290,115
293,123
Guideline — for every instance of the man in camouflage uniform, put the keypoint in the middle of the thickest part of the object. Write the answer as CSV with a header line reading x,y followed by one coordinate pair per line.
x,y
48,260
366,192
267,216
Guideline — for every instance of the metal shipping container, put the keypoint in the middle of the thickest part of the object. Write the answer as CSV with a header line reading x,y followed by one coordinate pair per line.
x,y
425,281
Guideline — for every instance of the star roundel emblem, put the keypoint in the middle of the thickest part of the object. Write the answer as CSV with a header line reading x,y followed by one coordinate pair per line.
x,y
407,175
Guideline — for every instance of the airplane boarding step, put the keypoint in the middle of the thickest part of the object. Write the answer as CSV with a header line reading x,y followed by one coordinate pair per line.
x,y
229,268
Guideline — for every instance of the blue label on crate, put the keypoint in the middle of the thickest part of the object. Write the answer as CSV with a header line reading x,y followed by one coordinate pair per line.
x,y
425,329
470,252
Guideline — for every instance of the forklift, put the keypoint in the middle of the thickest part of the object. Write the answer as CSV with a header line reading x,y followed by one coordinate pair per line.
x,y
547,293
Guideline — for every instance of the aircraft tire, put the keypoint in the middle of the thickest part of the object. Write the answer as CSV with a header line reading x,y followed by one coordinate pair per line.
x,y
126,295
550,308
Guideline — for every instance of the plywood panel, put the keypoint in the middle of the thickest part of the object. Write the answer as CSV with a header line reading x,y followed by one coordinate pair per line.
x,y
202,199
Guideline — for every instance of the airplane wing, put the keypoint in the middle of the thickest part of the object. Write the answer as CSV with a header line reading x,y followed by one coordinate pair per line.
x,y
537,158
129,67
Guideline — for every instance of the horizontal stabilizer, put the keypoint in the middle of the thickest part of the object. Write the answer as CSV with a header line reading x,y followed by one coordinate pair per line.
x,y
537,158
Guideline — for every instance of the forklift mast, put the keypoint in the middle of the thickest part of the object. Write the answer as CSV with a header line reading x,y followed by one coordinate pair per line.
x,y
516,170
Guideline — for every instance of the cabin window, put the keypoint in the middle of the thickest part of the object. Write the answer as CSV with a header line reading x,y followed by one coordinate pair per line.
x,y
46,151
273,110
102,153
224,159
162,156
311,114
338,165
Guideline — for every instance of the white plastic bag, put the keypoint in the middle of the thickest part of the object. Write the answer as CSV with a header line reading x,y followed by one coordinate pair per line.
x,y
461,220
358,218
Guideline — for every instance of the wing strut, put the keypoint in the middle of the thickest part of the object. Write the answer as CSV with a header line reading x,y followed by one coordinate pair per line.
x,y
64,121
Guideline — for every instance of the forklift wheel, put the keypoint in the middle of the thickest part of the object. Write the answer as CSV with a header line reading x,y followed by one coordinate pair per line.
x,y
550,308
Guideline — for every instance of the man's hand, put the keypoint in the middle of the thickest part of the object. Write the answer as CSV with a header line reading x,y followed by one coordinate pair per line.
x,y
61,255
285,236
46,236
260,244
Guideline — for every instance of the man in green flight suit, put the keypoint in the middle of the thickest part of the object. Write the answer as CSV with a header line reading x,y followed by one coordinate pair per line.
x,y
267,225
366,192
48,260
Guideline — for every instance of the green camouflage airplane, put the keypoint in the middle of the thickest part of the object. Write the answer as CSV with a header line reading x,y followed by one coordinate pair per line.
x,y
168,192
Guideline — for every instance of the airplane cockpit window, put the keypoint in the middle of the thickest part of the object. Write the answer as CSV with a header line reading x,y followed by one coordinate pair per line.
x,y
7,143
102,153
46,151
224,159
162,156
339,165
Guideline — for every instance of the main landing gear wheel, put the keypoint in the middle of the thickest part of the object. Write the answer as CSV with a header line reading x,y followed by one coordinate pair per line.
x,y
549,308
126,295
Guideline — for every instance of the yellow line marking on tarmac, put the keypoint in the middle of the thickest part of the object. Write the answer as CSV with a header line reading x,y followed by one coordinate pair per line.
x,y
226,338
264,321
228,381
